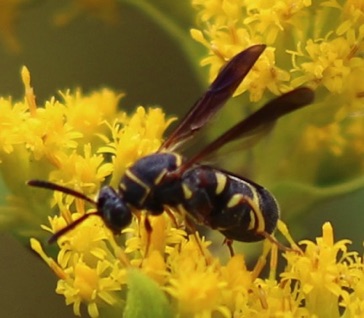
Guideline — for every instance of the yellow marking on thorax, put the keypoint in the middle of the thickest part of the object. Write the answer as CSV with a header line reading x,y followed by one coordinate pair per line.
x,y
221,180
187,193
134,178
178,159
160,177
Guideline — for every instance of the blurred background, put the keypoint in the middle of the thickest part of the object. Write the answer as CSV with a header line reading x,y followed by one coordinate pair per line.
x,y
134,56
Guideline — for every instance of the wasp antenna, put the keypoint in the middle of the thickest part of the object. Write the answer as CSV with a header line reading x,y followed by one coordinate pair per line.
x,y
56,187
70,227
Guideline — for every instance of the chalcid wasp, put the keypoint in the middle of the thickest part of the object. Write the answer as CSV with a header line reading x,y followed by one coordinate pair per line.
x,y
239,208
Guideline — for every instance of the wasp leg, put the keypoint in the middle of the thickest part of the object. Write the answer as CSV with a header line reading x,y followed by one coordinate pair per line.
x,y
229,244
172,217
274,241
268,246
148,229
273,262
282,228
262,260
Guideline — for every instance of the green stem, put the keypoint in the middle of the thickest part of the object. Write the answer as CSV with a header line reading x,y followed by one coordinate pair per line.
x,y
289,193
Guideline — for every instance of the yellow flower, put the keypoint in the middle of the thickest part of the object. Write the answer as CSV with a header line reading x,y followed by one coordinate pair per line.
x,y
11,118
92,267
91,285
315,44
91,113
95,268
206,289
64,141
326,272
84,172
231,26
84,142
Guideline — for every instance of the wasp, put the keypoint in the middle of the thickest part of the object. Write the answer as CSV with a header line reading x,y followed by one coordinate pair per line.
x,y
239,208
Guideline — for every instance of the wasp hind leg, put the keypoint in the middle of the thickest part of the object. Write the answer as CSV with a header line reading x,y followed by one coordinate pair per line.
x,y
282,228
173,217
270,244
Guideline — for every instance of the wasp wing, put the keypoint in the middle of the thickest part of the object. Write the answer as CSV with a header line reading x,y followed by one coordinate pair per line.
x,y
259,123
222,88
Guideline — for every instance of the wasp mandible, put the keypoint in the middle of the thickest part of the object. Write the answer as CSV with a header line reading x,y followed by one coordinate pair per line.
x,y
239,208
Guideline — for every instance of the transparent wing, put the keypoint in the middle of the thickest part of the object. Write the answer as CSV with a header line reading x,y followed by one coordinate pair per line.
x,y
218,93
252,128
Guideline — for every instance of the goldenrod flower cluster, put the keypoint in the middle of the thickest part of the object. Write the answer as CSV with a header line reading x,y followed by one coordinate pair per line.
x,y
310,43
180,278
66,141
83,141
169,273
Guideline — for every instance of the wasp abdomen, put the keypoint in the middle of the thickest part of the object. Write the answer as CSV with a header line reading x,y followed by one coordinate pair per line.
x,y
240,210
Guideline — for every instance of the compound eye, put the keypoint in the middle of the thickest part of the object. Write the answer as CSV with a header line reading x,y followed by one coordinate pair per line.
x,y
113,210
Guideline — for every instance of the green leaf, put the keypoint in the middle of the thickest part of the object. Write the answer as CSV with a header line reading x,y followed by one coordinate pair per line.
x,y
145,298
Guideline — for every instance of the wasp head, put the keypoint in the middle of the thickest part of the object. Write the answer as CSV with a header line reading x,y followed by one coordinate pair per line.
x,y
113,210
